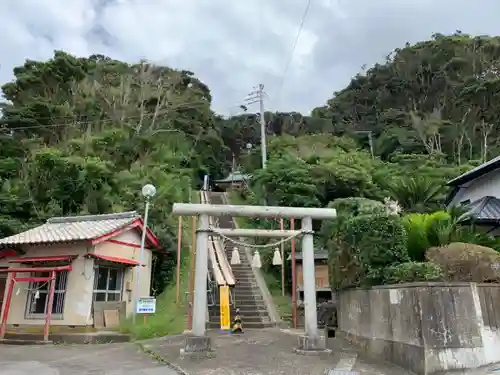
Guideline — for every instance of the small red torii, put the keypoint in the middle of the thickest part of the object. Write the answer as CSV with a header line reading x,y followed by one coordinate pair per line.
x,y
12,283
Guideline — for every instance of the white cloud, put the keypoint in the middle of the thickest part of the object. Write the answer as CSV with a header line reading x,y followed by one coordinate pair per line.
x,y
234,45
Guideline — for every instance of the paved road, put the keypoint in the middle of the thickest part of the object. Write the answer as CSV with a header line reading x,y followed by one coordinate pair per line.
x,y
266,352
257,352
110,359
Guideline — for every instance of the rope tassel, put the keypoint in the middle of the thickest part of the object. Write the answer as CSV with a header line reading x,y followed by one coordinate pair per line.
x,y
277,258
256,263
235,257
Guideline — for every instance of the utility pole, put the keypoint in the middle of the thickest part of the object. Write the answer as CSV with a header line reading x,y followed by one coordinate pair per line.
x,y
257,95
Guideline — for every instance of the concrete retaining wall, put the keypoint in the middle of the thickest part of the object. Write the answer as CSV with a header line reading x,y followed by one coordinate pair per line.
x,y
426,328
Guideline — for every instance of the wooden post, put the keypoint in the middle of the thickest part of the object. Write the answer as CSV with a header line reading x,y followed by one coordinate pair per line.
x,y
294,279
191,280
178,276
50,302
282,227
6,305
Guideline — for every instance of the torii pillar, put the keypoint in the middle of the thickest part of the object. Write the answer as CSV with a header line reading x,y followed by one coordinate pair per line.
x,y
311,341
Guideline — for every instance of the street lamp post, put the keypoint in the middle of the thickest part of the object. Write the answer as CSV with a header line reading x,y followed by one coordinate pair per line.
x,y
148,192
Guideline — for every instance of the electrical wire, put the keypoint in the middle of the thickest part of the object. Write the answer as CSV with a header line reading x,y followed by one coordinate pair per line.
x,y
292,53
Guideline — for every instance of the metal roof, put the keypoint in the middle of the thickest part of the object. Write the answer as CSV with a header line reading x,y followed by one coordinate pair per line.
x,y
318,255
477,172
484,209
234,177
72,228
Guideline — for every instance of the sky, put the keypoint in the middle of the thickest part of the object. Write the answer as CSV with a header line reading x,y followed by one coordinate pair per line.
x,y
232,46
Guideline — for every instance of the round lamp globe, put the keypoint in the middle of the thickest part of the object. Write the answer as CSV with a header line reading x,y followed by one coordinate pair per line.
x,y
148,191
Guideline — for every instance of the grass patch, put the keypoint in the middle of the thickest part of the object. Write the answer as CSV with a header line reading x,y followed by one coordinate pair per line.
x,y
283,303
234,197
170,318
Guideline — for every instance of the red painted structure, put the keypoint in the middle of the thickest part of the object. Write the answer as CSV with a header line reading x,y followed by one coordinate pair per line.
x,y
136,224
113,259
12,283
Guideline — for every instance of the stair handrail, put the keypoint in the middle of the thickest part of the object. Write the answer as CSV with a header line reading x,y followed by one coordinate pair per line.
x,y
216,271
221,256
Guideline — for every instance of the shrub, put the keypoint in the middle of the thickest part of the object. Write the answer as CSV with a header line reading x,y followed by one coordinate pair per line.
x,y
357,206
346,209
412,272
363,247
466,262
441,228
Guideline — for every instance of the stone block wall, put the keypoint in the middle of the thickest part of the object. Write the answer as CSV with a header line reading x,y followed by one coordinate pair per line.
x,y
426,328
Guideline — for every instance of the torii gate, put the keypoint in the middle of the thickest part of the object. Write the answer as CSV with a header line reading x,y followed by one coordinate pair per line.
x,y
198,342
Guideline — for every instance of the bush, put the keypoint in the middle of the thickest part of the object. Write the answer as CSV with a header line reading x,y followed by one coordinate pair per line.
x,y
466,262
357,206
409,272
346,209
363,247
426,230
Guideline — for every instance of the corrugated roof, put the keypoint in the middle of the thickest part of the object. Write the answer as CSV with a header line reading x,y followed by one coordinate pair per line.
x,y
486,208
72,228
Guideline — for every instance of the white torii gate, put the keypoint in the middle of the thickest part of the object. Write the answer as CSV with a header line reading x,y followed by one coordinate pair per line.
x,y
199,342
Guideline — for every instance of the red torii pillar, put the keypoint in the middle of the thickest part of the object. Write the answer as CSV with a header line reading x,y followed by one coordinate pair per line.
x,y
14,279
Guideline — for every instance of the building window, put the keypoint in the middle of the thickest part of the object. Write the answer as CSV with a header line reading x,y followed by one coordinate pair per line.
x,y
38,296
108,283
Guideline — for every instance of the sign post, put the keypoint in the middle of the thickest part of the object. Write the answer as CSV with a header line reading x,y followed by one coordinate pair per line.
x,y
146,306
225,318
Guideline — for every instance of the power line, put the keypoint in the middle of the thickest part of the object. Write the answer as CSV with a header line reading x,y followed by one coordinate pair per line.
x,y
86,122
290,59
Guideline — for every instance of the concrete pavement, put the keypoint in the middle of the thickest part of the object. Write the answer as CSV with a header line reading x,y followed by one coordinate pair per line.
x,y
102,359
266,352
256,352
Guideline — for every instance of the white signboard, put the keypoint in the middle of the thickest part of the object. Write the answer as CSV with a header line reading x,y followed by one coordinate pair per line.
x,y
146,305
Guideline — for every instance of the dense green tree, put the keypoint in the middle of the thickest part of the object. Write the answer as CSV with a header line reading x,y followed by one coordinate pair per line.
x,y
436,96
82,135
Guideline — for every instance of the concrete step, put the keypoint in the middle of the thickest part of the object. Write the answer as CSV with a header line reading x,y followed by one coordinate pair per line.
x,y
245,285
247,310
238,271
243,276
243,294
249,325
245,306
248,319
243,290
246,293
247,300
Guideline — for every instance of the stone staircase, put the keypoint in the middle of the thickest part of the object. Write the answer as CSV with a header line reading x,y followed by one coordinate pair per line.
x,y
246,294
